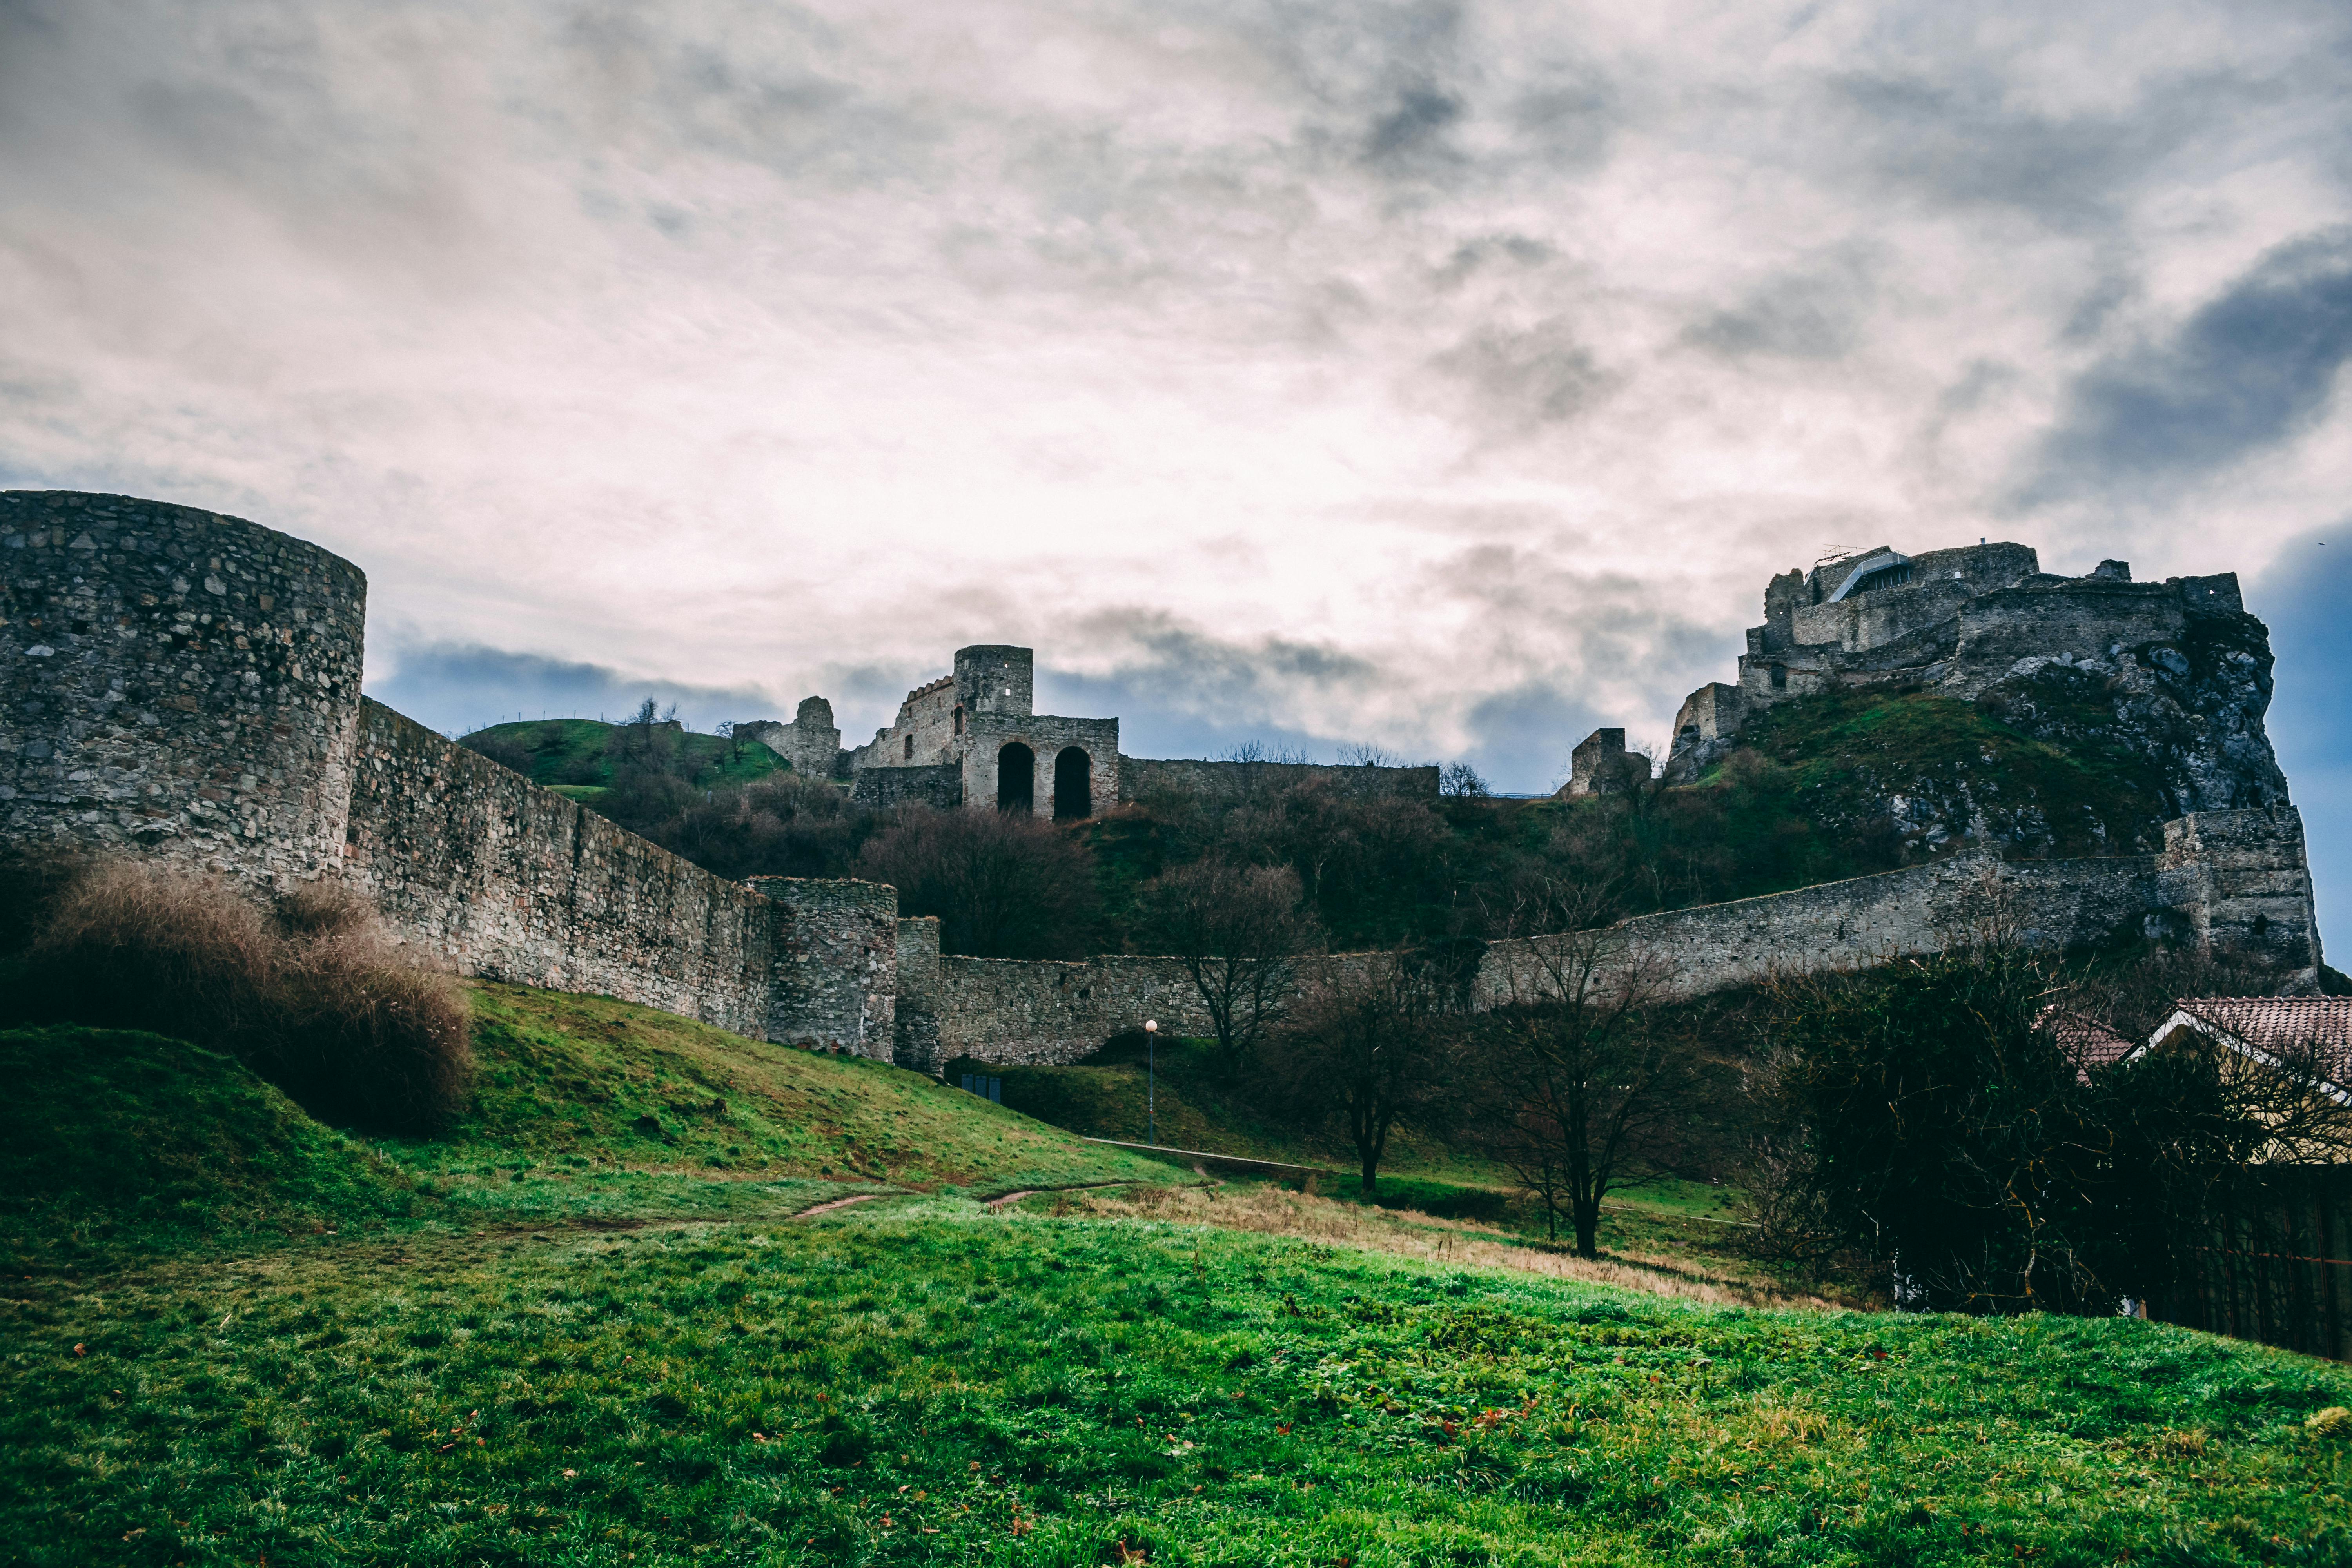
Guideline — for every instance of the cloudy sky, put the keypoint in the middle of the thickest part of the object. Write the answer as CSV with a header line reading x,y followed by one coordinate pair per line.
x,y
1443,375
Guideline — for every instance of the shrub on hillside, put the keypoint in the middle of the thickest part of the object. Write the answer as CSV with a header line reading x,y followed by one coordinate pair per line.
x,y
1002,886
312,993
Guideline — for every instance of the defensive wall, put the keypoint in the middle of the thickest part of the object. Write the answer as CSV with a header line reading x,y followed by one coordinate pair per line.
x,y
186,685
175,680
2234,876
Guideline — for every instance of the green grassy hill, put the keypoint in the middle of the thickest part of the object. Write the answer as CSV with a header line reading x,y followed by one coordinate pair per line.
x,y
111,1138
590,1106
941,1384
607,1320
581,756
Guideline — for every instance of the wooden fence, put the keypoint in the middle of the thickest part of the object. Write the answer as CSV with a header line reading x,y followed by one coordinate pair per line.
x,y
2278,1269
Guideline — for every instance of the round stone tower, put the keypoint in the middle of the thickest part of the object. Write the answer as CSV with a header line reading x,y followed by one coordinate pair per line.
x,y
177,679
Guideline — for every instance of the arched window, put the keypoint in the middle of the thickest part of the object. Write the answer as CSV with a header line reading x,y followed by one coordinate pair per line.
x,y
1016,778
1073,799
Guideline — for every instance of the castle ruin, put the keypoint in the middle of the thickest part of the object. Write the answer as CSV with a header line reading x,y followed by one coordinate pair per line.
x,y
184,685
1960,622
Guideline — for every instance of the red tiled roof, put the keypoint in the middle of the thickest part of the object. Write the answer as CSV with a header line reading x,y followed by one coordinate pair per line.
x,y
2273,1023
2086,1041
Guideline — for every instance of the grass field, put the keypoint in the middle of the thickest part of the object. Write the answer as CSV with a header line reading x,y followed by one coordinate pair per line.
x,y
579,756
606,1321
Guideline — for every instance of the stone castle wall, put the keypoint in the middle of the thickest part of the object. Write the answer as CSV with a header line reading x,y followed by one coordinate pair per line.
x,y
494,876
2232,877
175,680
1018,1012
939,785
833,974
186,685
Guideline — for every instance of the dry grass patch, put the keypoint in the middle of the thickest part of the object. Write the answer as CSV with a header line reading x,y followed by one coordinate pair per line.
x,y
1406,1232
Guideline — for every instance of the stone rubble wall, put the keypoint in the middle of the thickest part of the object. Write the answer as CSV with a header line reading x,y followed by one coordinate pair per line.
x,y
187,685
939,785
2234,876
1023,1013
177,681
494,875
833,977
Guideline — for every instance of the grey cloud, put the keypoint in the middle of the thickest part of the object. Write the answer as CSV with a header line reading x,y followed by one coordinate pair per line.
x,y
1518,381
766,87
1415,127
1814,314
1567,124
1957,140
1473,257
2250,369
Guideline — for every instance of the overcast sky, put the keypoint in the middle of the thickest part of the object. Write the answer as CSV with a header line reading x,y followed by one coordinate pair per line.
x,y
1446,376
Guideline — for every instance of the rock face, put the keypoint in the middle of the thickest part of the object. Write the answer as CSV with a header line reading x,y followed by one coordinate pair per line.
x,y
2160,685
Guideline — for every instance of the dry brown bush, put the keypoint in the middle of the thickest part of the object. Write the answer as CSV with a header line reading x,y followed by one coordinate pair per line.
x,y
312,993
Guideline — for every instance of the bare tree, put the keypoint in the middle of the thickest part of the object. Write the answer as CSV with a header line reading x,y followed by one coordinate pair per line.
x,y
1462,780
1583,1070
1238,930
1374,1046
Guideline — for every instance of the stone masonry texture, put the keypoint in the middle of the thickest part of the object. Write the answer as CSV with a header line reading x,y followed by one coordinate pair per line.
x,y
181,684
175,680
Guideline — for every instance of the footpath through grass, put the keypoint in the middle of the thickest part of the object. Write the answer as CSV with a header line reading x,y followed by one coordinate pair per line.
x,y
943,1384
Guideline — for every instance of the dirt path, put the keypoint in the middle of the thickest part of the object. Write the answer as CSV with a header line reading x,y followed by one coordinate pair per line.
x,y
845,1203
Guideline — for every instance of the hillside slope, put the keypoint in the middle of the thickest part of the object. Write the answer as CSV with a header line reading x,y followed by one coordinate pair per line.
x,y
942,1385
586,1105
111,1138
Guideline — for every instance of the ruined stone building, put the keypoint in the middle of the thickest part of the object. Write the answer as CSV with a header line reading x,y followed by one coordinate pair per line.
x,y
2182,653
811,743
974,738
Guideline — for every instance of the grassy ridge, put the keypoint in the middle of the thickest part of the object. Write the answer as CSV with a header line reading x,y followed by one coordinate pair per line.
x,y
581,754
586,1108
113,1139
588,1104
942,1385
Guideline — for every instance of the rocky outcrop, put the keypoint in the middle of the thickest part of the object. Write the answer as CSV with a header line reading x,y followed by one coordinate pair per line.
x,y
2156,690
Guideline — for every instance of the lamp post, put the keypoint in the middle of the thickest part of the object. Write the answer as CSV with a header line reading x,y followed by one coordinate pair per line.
x,y
1152,1081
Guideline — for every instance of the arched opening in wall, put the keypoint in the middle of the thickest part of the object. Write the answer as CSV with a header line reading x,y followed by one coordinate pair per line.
x,y
1074,798
1016,778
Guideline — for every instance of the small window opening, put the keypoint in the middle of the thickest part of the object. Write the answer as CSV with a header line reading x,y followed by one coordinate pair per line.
x,y
1780,677
958,721
911,748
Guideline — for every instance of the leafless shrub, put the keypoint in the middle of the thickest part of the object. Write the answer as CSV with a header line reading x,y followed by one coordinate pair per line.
x,y
313,993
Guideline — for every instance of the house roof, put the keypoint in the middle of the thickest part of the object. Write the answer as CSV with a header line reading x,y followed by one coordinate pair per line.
x,y
2263,1026
2089,1042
